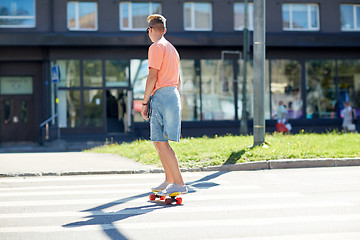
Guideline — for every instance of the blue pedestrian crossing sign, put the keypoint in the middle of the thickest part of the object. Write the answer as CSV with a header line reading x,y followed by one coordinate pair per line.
x,y
55,73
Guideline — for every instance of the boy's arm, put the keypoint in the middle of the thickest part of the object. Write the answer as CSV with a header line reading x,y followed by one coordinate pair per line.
x,y
150,84
179,84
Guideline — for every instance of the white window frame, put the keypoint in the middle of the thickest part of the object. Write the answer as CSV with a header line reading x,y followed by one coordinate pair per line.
x,y
250,18
77,28
20,17
193,28
309,28
131,28
356,28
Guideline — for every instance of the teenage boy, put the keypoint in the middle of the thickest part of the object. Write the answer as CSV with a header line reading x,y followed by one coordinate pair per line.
x,y
162,90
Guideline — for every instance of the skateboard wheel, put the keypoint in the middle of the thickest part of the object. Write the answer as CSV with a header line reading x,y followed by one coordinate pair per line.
x,y
178,200
168,201
162,197
152,197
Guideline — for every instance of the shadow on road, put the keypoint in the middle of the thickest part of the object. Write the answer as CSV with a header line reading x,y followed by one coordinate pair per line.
x,y
107,219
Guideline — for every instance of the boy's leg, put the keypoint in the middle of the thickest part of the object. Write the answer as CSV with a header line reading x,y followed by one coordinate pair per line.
x,y
168,176
169,162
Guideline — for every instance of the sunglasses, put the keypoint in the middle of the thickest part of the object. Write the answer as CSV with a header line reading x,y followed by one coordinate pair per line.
x,y
147,29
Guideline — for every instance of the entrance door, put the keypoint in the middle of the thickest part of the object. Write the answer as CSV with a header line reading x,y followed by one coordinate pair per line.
x,y
116,110
16,118
16,109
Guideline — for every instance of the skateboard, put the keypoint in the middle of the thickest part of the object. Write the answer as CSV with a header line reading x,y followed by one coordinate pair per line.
x,y
168,200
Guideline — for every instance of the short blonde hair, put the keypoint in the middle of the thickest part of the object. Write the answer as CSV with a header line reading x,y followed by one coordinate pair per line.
x,y
157,21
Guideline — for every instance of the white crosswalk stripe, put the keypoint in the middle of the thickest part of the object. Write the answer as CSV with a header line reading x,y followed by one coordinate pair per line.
x,y
99,207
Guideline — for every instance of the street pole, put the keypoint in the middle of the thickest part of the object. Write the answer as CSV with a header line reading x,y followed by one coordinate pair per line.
x,y
259,72
244,115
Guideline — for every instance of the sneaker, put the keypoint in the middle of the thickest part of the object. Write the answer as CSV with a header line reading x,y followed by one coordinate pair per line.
x,y
173,188
161,187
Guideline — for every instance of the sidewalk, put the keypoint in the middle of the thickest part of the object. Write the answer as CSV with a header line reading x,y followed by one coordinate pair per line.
x,y
55,161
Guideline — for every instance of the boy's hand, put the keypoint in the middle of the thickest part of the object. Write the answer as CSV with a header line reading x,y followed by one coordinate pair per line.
x,y
144,110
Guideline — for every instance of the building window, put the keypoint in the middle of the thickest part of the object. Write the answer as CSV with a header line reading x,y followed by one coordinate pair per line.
x,y
286,87
239,16
250,89
300,17
190,90
117,73
349,83
197,16
82,16
17,14
321,99
217,90
350,17
133,15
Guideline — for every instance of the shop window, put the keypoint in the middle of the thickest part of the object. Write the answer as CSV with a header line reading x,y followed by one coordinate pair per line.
x,y
93,108
250,90
239,16
133,15
69,73
321,100
350,17
82,16
92,73
300,17
17,14
190,91
117,73
139,74
69,108
217,90
197,16
286,87
349,83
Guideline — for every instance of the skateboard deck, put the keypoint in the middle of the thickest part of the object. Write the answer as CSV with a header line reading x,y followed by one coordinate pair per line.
x,y
168,200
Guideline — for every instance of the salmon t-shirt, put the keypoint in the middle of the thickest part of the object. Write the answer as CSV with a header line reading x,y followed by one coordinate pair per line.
x,y
163,56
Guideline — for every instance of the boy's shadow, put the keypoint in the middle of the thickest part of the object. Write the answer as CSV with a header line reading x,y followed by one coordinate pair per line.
x,y
107,219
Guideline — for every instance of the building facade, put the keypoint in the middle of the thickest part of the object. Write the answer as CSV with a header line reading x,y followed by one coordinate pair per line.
x,y
100,47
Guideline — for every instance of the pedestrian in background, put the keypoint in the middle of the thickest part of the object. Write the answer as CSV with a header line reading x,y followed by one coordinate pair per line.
x,y
162,90
349,116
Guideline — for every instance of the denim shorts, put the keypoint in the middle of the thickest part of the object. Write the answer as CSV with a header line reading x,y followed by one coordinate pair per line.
x,y
165,120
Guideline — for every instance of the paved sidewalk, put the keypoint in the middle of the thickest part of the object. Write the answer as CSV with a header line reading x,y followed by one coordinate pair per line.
x,y
67,163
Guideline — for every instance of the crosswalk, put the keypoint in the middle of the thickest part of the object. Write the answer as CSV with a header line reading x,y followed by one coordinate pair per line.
x,y
220,205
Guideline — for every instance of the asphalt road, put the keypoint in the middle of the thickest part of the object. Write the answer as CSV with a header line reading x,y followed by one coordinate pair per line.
x,y
316,203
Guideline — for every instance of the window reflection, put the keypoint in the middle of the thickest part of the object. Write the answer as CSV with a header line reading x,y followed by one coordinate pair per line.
x,y
24,111
17,13
69,108
217,90
321,100
82,15
250,90
93,108
349,83
70,73
285,87
92,73
190,91
117,73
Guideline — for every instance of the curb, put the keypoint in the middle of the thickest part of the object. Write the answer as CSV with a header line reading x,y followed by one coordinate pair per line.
x,y
249,166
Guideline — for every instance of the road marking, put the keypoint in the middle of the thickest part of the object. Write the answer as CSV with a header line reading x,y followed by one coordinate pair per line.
x,y
317,236
186,224
184,209
101,191
143,197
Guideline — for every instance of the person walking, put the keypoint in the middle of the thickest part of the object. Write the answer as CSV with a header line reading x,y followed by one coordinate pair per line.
x,y
347,115
162,92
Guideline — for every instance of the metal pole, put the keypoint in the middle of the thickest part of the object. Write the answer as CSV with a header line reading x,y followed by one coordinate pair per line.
x,y
244,119
259,72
